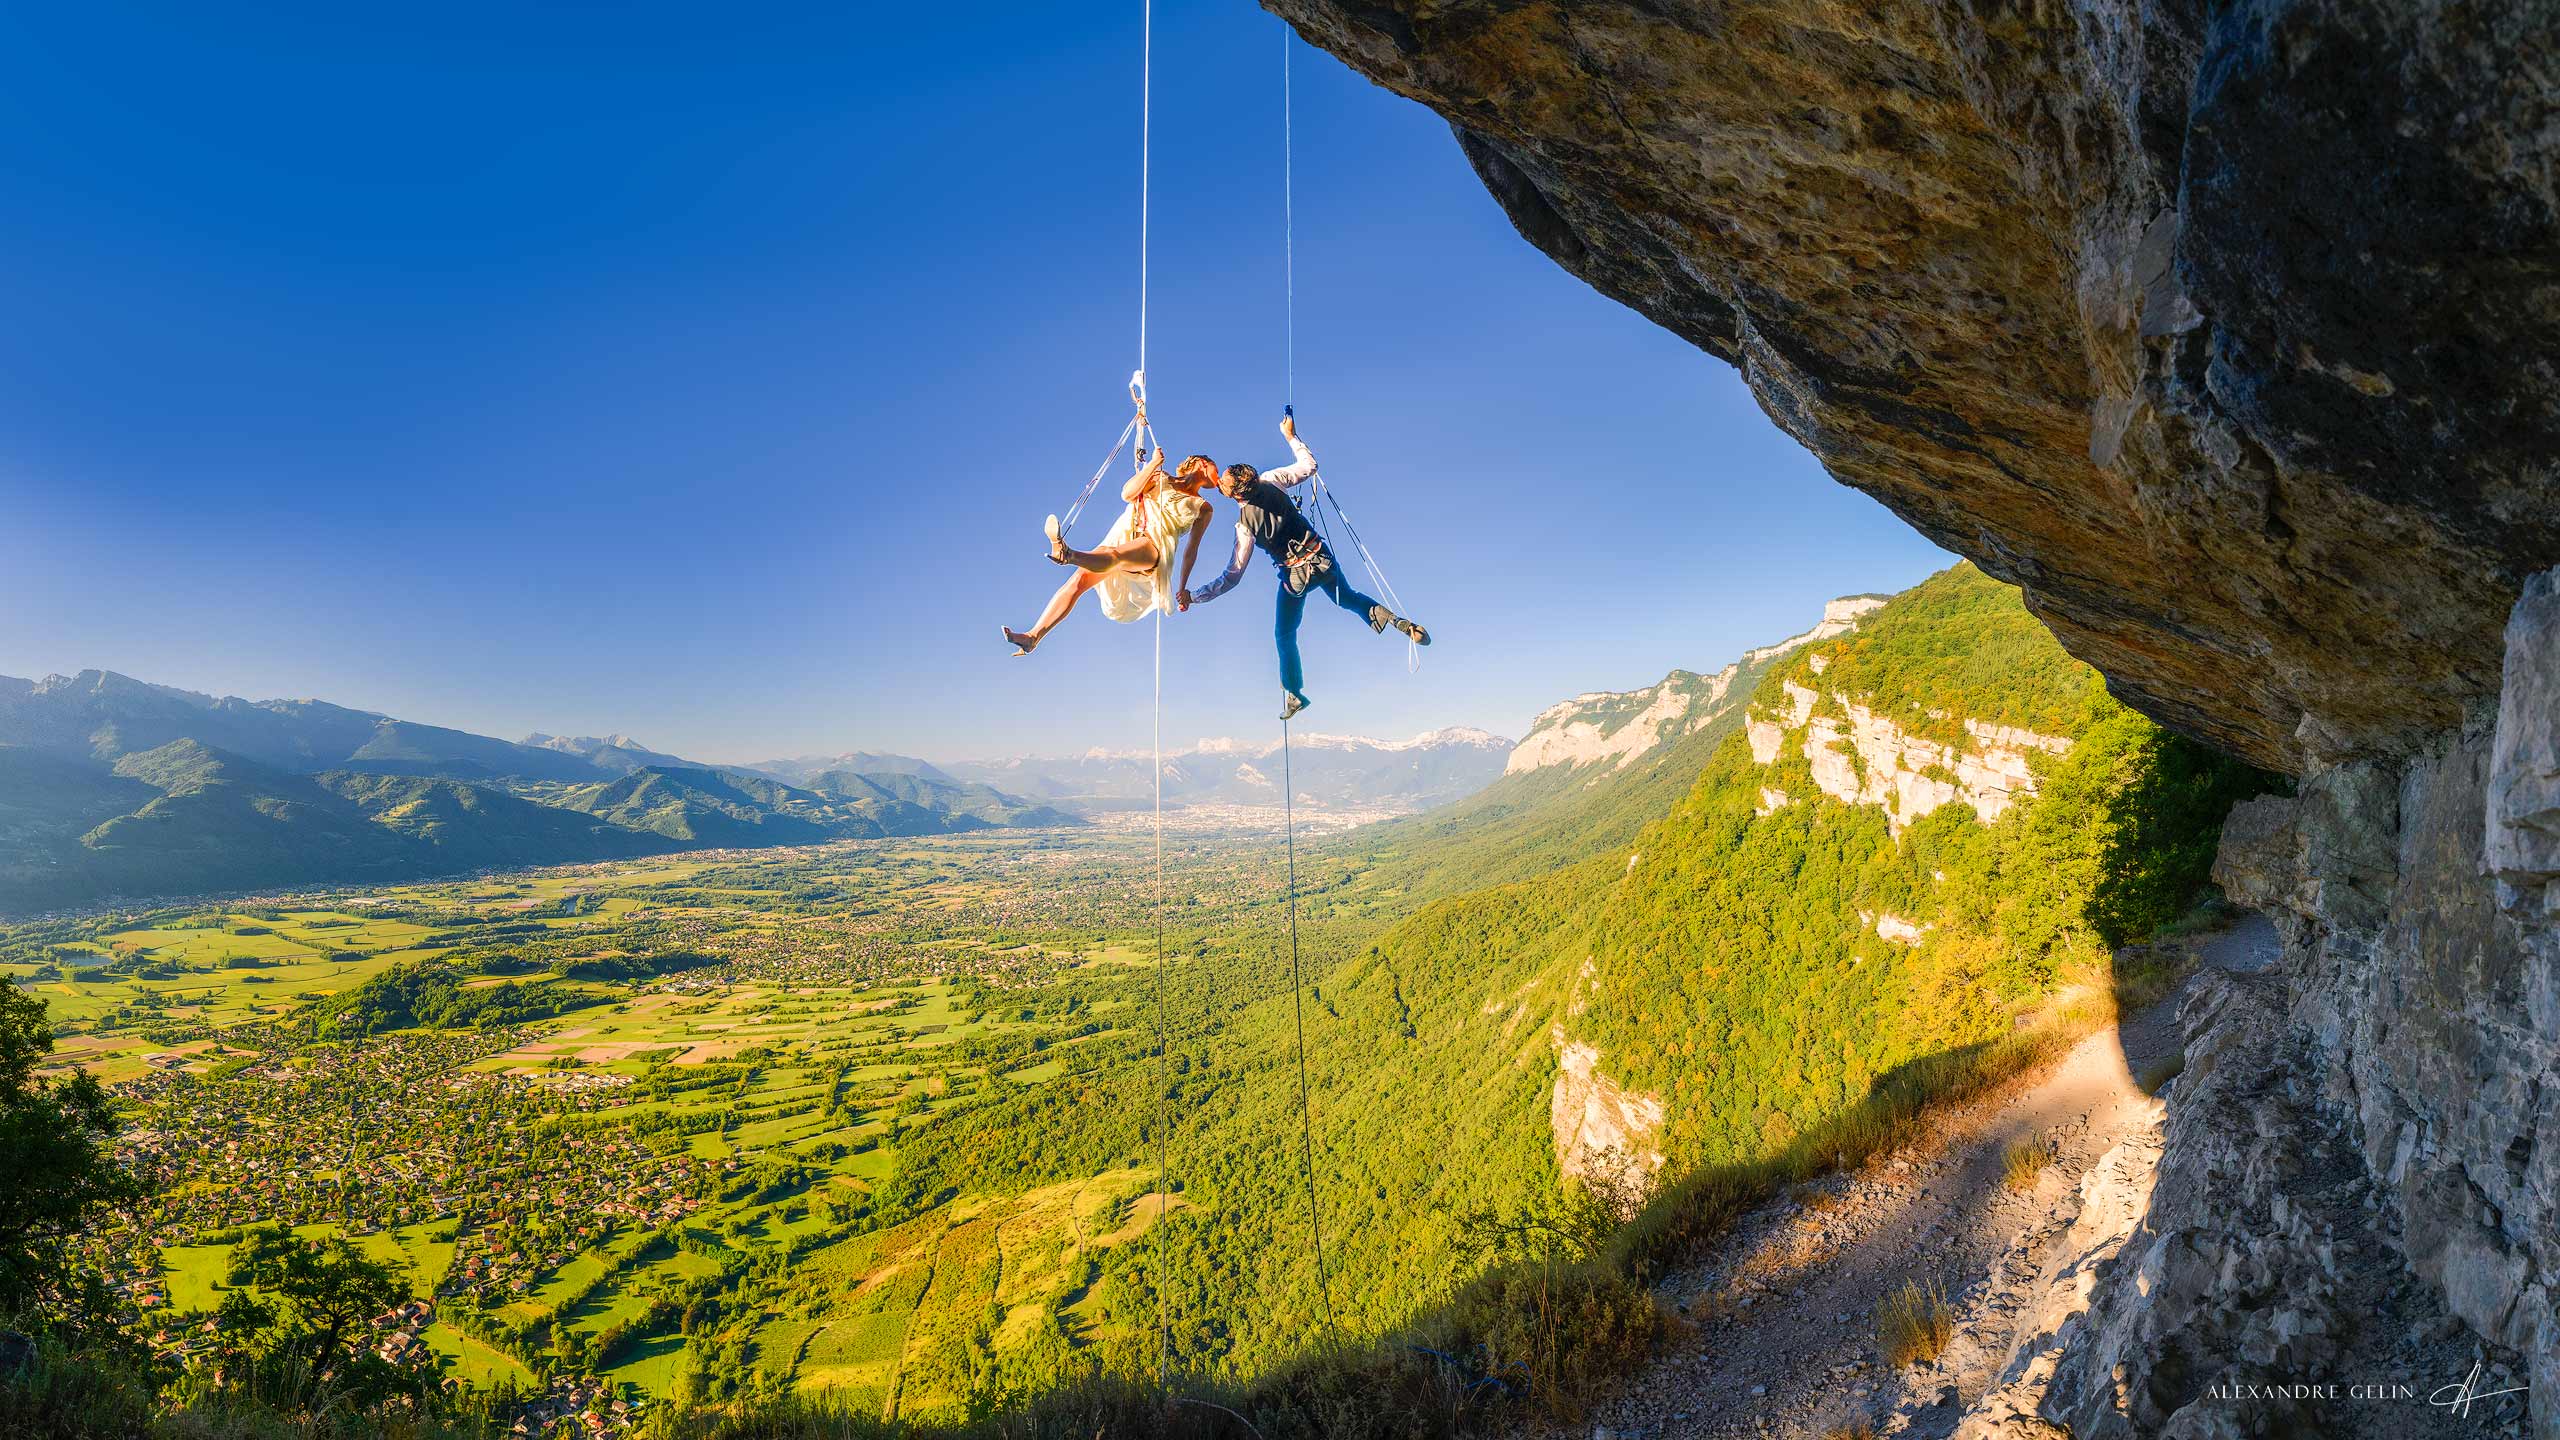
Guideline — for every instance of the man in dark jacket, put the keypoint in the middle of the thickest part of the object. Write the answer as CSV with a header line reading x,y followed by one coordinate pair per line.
x,y
1268,520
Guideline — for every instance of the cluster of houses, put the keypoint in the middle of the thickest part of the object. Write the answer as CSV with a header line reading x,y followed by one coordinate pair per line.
x,y
583,1405
379,1134
404,1333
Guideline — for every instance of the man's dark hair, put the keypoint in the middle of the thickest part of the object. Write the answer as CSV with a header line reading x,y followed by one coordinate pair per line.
x,y
1242,474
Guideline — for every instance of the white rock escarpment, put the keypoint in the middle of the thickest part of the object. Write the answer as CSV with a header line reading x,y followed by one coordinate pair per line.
x,y
1893,927
1860,758
1768,737
1838,618
1572,734
1621,727
1603,1132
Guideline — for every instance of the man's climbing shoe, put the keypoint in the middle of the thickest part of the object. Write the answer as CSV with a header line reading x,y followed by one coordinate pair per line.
x,y
1380,617
1291,702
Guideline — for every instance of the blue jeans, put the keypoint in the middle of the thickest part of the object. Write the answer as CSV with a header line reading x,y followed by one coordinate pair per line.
x,y
1293,608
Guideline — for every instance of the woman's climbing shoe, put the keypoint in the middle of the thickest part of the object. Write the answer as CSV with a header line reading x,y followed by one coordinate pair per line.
x,y
1057,544
1022,644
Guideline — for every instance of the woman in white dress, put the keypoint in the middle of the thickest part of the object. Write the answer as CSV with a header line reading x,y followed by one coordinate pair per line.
x,y
1134,565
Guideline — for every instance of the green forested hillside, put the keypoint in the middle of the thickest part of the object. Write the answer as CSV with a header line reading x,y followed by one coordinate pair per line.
x,y
1735,974
1728,971
187,818
712,807
1959,647
1732,972
1542,821
477,826
911,801
221,821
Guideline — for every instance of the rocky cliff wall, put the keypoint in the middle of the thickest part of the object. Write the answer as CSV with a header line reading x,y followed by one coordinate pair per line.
x,y
2225,331
2418,903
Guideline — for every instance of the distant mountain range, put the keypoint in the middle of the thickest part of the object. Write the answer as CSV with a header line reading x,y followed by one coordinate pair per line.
x,y
112,786
862,762
1429,770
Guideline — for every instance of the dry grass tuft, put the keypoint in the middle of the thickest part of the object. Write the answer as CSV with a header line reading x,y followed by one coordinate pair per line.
x,y
2024,1163
1913,1325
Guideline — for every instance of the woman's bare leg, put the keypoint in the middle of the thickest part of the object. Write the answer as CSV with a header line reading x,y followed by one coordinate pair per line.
x,y
1137,554
1059,606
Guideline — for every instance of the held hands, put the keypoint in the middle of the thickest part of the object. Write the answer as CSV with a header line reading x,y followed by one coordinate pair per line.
x,y
1181,600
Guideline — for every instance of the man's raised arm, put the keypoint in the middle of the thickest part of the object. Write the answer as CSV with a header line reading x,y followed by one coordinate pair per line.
x,y
1302,469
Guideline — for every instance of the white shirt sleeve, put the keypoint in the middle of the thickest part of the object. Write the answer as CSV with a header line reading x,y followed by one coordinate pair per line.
x,y
1235,569
1302,469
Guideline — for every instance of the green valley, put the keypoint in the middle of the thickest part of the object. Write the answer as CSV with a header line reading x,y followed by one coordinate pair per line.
x,y
883,1123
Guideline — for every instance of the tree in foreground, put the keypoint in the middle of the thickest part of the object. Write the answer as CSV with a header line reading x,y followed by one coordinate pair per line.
x,y
296,1326
58,1172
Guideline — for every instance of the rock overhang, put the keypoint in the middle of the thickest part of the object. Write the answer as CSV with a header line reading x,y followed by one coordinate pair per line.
x,y
2233,338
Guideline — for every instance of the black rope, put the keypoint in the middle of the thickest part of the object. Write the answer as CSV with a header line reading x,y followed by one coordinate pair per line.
x,y
1298,998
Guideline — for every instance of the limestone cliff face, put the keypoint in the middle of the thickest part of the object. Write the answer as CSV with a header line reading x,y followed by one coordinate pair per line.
x,y
2425,960
1618,728
1604,1133
1839,617
1860,758
2222,330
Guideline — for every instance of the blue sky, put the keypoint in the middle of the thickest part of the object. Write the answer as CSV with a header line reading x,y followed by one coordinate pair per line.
x,y
602,368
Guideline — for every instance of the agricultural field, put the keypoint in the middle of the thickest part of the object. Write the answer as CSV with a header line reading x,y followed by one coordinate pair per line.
x,y
657,1122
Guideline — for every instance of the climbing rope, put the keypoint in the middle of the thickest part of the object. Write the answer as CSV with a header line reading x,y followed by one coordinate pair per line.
x,y
1289,338
1137,395
1136,432
1288,778
1369,562
1164,1054
1298,998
